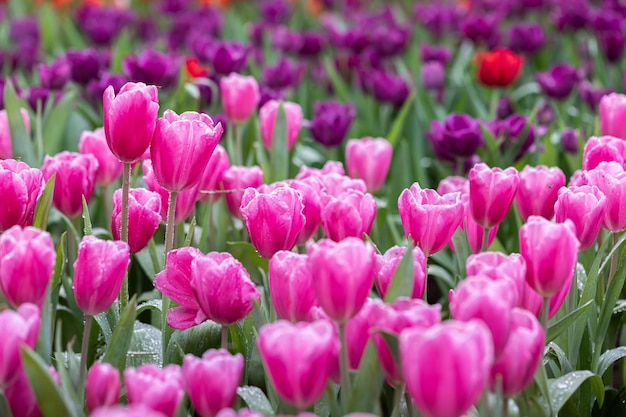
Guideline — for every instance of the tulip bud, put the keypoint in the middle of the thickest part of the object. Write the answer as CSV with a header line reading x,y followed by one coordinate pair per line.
x,y
499,67
291,286
240,96
239,178
350,214
498,266
20,397
610,178
331,122
387,264
95,143
20,187
144,217
369,159
538,191
267,119
160,389
213,173
458,136
102,388
612,113
18,327
585,206
603,149
491,193
558,81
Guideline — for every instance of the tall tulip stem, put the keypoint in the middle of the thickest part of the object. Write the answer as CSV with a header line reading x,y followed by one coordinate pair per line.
x,y
545,308
170,228
224,337
238,149
397,401
485,239
346,389
614,261
124,231
84,350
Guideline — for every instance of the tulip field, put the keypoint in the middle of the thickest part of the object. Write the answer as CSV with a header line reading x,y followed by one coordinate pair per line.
x,y
314,208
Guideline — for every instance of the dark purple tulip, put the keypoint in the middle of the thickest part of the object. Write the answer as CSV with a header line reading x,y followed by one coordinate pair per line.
x,y
268,94
223,119
274,12
433,75
439,19
96,87
152,67
146,30
389,88
559,81
284,74
355,38
569,140
505,108
511,129
612,44
185,30
24,30
37,93
592,94
606,20
55,75
390,41
481,29
311,43
256,32
206,96
526,37
545,114
286,40
331,121
571,14
85,64
173,6
458,136
102,24
229,56
441,54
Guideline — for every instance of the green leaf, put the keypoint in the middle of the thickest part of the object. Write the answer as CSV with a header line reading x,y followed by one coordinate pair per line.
x,y
117,349
44,204
154,305
561,389
335,79
555,329
51,401
20,139
398,123
461,246
403,279
609,357
145,346
55,122
279,155
564,364
86,217
195,340
192,228
4,406
368,383
256,400
245,253
121,49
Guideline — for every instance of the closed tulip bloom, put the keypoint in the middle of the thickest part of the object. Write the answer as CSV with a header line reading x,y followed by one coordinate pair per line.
x,y
350,214
274,220
240,96
160,389
211,381
27,259
267,119
612,114
98,273
558,81
550,251
358,330
331,121
310,191
467,351
343,273
603,149
135,410
102,388
130,119
498,266
20,187
458,136
499,67
212,175
291,286
95,143
520,358
181,148
538,191
20,397
6,147
236,179
144,214
18,327
428,218
585,206
610,178
387,264
369,159
491,193
314,347
334,184
75,178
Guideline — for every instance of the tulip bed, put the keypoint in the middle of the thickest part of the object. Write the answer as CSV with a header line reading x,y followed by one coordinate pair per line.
x,y
315,208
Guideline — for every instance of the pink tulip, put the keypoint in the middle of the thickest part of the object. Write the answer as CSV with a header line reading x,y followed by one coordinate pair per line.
x,y
18,327
267,119
387,264
610,178
330,167
518,362
98,273
6,147
533,302
491,193
21,398
538,190
240,96
350,214
449,391
160,389
291,286
314,347
453,184
343,273
498,266
144,217
214,286
612,115
358,330
235,180
550,251
603,149
27,259
369,159
95,143
130,119
135,410
75,178
102,388
489,301
212,176
428,218
182,147
585,206
274,220
211,381
20,187
335,184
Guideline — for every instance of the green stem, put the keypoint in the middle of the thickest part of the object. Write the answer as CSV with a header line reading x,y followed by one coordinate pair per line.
x,y
154,256
409,404
397,401
84,350
124,229
332,401
238,149
346,389
505,407
4,405
545,309
485,239
224,337
614,261
483,404
170,227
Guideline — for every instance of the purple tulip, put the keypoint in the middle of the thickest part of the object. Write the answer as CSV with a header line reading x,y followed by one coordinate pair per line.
x,y
283,74
441,54
274,12
55,75
481,28
388,88
152,67
85,65
559,81
612,44
331,121
592,94
458,136
526,38
102,24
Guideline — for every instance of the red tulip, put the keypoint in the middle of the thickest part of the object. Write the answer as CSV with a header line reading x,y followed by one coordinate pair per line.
x,y
498,67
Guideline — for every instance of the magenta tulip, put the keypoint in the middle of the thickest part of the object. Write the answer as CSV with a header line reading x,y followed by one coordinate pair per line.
x,y
182,147
498,266
6,146
585,206
144,217
235,180
610,178
21,398
109,166
550,251
449,391
538,191
98,273
27,259
75,178
135,410
330,167
267,119
240,96
160,389
387,264
19,327
604,149
612,115
102,388
314,347
130,119
212,175
475,232
20,187
358,330
291,286
350,214
369,159
211,381
428,218
491,193
343,273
